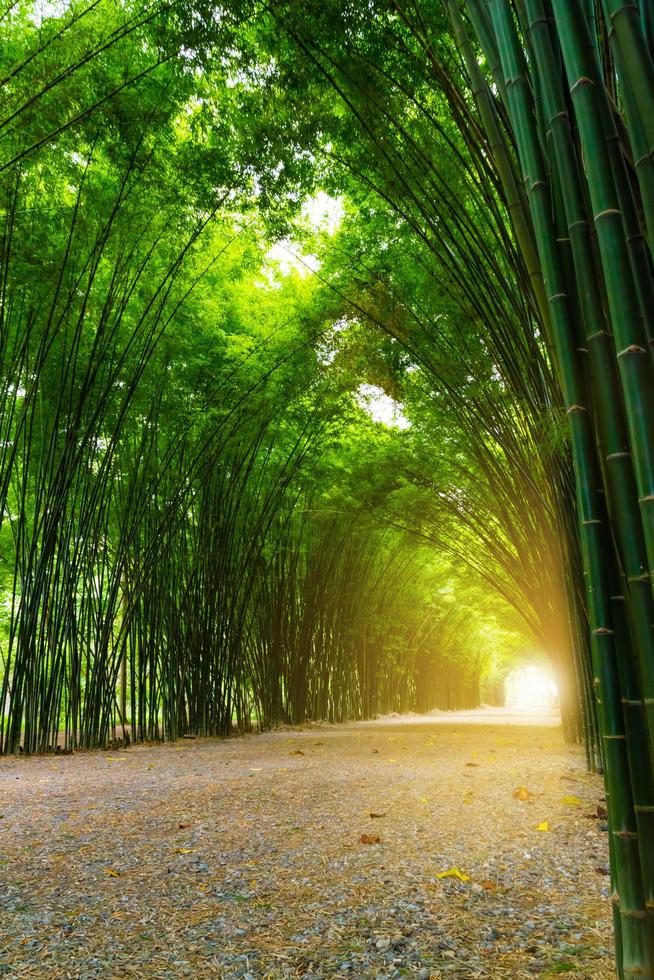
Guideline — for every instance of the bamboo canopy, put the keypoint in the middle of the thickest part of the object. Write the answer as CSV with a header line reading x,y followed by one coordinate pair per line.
x,y
205,527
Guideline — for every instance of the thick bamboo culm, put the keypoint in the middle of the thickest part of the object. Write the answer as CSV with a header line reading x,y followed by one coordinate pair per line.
x,y
573,141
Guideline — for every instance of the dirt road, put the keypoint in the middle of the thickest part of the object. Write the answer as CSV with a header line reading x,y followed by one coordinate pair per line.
x,y
382,849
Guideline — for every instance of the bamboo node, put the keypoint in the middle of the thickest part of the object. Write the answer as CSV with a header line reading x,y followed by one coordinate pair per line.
x,y
627,835
607,213
646,500
584,80
575,408
603,631
595,520
623,455
632,349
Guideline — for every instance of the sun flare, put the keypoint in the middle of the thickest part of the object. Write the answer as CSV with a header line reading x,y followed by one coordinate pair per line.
x,y
531,688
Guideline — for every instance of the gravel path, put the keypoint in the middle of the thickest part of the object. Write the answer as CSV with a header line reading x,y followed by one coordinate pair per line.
x,y
313,853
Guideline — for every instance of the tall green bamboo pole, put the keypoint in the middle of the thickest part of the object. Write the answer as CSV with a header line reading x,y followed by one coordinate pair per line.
x,y
611,251
593,529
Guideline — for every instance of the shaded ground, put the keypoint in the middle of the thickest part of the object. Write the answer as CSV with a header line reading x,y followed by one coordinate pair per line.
x,y
244,858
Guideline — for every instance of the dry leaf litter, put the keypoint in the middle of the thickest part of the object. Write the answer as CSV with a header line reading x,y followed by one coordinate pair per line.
x,y
452,846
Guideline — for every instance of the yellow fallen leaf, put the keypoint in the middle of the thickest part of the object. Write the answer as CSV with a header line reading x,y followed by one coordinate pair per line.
x,y
184,850
392,760
453,873
112,873
256,768
522,793
116,758
543,826
423,799
571,800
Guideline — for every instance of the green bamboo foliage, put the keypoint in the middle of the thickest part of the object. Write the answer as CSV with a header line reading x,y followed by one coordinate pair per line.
x,y
436,183
576,126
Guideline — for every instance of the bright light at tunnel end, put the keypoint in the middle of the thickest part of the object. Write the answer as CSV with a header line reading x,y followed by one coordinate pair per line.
x,y
531,688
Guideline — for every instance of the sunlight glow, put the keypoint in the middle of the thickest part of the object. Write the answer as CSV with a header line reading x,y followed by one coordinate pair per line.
x,y
381,407
531,688
324,214
284,257
45,9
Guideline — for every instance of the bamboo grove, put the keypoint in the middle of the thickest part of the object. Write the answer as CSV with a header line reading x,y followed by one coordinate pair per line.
x,y
179,554
578,104
205,525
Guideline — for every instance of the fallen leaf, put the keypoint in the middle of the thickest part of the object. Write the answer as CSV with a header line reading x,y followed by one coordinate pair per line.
x,y
183,826
184,850
112,873
116,758
570,800
370,838
490,886
602,813
453,873
472,765
423,799
256,768
522,793
543,826
297,752
377,816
